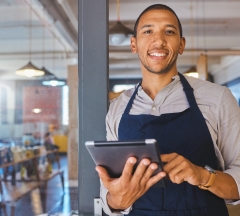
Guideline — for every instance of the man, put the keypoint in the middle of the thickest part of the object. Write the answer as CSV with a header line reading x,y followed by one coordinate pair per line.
x,y
191,119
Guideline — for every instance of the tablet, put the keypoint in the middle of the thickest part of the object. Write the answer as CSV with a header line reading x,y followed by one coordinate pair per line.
x,y
112,155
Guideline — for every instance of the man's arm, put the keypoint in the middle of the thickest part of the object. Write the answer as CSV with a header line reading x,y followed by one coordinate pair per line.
x,y
180,169
227,183
229,136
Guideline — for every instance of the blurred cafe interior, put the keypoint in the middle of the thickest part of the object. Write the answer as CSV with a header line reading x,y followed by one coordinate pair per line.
x,y
39,108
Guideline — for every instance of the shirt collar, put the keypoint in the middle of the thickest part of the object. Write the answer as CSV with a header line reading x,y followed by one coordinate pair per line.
x,y
175,80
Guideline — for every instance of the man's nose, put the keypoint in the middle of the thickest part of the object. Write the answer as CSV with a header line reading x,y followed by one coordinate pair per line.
x,y
159,40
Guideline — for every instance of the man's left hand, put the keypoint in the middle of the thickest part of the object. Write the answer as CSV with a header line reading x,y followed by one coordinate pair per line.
x,y
180,169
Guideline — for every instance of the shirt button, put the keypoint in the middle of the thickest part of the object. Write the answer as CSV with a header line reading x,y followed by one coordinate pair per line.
x,y
154,108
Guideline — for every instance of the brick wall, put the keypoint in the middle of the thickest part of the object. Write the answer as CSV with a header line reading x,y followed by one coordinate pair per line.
x,y
48,99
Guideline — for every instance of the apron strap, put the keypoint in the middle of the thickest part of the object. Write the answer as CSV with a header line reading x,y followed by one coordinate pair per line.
x,y
129,105
188,91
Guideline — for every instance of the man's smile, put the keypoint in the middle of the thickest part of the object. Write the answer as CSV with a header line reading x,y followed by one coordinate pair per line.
x,y
158,54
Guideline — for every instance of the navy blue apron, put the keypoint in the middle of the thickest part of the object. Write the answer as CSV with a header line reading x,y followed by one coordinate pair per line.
x,y
187,134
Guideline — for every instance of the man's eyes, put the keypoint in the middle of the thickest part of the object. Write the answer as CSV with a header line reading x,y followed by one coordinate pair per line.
x,y
170,32
147,31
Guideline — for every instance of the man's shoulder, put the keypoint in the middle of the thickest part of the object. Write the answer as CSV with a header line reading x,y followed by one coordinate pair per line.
x,y
207,92
123,98
203,85
118,104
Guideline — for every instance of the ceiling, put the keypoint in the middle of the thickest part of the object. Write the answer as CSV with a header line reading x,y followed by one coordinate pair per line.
x,y
45,32
41,31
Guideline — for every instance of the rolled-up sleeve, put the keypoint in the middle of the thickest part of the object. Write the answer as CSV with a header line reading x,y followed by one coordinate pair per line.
x,y
106,209
229,137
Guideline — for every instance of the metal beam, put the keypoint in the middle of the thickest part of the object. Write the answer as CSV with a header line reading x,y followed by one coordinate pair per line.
x,y
93,92
62,21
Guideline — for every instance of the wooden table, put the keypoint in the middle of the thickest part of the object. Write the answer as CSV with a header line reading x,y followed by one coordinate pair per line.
x,y
11,190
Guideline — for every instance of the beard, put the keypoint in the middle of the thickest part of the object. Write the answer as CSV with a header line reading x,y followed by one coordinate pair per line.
x,y
162,70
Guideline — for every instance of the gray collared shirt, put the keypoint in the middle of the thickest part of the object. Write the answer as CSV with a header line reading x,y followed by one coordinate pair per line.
x,y
217,104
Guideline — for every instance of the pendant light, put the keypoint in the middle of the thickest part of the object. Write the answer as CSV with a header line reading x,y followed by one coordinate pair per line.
x,y
30,70
119,33
52,79
47,74
53,82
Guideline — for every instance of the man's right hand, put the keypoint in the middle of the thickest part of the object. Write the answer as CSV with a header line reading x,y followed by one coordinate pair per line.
x,y
124,191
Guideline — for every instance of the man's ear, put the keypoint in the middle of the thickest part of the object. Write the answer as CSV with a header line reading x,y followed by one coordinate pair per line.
x,y
133,44
182,45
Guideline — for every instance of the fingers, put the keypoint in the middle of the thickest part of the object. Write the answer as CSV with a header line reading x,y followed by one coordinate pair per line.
x,y
144,172
148,173
128,169
180,169
153,180
150,180
168,157
140,171
177,174
174,167
173,160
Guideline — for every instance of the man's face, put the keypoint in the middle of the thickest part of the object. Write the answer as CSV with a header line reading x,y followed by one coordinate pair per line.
x,y
158,42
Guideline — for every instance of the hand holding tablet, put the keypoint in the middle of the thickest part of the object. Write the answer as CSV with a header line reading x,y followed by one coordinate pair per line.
x,y
112,155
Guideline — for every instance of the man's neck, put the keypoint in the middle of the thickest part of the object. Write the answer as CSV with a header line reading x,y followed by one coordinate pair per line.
x,y
153,83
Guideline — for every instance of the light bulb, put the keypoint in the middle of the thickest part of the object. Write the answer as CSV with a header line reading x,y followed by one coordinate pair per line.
x,y
37,110
29,72
53,82
116,39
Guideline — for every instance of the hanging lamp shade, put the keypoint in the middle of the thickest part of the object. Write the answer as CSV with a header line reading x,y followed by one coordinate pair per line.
x,y
48,74
30,70
192,71
51,79
118,34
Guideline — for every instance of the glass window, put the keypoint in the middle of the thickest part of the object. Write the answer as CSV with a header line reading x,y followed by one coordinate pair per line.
x,y
38,56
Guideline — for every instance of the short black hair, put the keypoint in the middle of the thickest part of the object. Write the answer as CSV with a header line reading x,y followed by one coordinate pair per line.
x,y
157,7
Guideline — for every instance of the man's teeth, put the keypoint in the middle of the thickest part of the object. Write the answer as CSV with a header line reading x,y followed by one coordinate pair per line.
x,y
158,54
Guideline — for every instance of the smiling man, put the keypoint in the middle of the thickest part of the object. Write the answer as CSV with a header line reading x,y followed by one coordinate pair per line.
x,y
195,122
